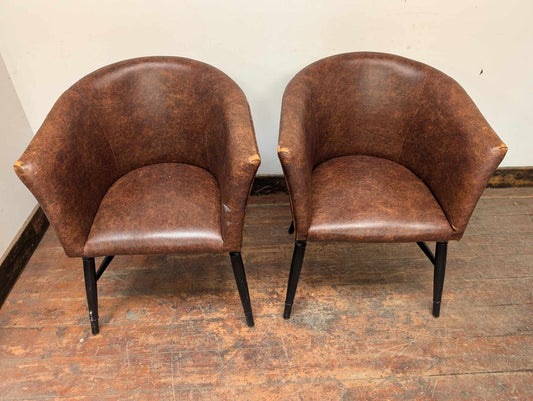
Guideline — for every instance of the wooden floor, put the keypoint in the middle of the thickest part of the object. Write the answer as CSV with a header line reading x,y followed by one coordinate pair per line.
x,y
172,327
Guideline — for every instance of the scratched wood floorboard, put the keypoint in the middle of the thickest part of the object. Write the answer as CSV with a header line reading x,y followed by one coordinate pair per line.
x,y
172,326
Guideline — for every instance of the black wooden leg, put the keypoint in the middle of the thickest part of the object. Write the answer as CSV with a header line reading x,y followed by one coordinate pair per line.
x,y
291,228
438,277
89,272
242,285
294,275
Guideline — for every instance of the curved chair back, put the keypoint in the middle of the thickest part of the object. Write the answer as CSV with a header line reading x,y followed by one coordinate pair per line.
x,y
158,109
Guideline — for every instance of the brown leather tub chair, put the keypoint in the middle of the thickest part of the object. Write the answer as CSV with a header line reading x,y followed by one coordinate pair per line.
x,y
152,155
379,148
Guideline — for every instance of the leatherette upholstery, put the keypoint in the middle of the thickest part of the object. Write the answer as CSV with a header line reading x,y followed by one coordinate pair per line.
x,y
160,136
379,201
415,126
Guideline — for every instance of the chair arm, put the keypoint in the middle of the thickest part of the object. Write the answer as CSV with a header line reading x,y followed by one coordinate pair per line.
x,y
234,160
453,149
296,149
68,166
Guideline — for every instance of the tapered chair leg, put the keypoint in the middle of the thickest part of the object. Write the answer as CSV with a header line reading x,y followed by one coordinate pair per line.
x,y
438,276
242,285
294,275
89,271
291,228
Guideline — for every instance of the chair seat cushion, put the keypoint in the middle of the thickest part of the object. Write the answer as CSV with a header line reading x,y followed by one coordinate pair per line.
x,y
158,209
371,199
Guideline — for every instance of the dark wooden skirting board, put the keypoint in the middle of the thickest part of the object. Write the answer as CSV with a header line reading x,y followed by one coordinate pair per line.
x,y
269,184
21,251
504,177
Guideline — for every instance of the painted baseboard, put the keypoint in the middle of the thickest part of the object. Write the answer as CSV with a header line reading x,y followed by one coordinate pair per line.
x,y
504,177
21,250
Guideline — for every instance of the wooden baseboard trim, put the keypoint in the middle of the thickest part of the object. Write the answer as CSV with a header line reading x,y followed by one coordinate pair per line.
x,y
269,184
507,177
21,250
504,177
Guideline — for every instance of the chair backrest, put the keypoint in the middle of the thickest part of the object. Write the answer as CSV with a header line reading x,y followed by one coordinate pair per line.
x,y
156,109
363,103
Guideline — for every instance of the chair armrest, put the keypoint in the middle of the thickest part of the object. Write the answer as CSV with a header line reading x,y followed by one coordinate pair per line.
x,y
296,150
453,149
68,166
234,160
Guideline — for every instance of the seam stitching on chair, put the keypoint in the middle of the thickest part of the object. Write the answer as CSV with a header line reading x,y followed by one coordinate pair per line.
x,y
408,127
409,132
106,136
313,161
93,115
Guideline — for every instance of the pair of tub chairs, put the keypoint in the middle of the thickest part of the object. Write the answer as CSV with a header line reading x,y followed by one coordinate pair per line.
x,y
157,155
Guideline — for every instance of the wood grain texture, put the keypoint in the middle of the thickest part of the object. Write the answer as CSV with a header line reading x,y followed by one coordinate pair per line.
x,y
361,327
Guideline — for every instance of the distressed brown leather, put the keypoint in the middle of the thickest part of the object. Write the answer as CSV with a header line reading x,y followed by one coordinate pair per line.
x,y
409,117
379,201
160,208
183,117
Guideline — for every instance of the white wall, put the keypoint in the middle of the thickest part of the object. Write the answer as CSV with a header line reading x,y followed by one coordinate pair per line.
x,y
16,202
48,45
